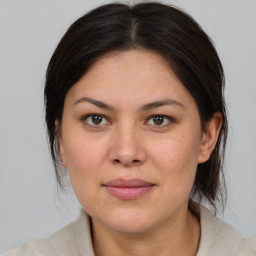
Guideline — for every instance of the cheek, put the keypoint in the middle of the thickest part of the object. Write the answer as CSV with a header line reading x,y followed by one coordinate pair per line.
x,y
85,157
176,159
175,153
85,153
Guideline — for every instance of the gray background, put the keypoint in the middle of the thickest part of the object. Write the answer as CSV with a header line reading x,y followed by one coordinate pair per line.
x,y
30,205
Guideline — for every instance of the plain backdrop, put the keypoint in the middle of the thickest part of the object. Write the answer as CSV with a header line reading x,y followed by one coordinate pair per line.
x,y
30,204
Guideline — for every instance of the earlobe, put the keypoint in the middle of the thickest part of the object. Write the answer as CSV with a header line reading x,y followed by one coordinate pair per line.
x,y
60,144
62,154
210,137
63,163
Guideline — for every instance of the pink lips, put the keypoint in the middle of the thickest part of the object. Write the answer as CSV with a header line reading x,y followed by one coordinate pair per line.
x,y
128,189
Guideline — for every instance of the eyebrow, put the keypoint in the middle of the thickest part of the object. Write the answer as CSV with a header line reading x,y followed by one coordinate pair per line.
x,y
97,103
145,107
160,103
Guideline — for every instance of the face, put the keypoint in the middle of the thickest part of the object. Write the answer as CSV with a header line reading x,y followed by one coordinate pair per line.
x,y
131,139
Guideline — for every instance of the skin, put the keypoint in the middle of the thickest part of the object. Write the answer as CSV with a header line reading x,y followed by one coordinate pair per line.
x,y
129,144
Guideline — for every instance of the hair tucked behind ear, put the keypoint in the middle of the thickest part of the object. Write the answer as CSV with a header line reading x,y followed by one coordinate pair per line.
x,y
156,27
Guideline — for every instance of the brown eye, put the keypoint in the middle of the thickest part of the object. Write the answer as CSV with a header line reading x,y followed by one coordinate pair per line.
x,y
96,120
160,120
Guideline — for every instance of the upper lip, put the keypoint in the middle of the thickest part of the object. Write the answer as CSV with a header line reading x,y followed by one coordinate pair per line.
x,y
128,183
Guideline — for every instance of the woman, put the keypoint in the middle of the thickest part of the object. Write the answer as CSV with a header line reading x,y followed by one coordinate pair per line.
x,y
135,113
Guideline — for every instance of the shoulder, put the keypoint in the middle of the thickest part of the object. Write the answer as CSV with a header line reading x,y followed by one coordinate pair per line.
x,y
74,239
220,238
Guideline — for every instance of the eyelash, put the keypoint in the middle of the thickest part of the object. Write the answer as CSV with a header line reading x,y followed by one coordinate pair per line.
x,y
91,115
169,118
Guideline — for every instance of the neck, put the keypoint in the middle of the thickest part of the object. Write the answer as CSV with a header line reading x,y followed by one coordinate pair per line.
x,y
179,236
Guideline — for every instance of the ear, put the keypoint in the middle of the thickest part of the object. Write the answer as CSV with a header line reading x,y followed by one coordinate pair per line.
x,y
210,137
60,143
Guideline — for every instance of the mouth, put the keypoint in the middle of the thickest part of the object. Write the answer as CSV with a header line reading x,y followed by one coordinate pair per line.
x,y
128,189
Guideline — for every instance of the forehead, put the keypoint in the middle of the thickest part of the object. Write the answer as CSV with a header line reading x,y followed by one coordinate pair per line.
x,y
130,76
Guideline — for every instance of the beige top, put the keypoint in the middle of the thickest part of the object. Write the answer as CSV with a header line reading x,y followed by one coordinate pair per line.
x,y
217,239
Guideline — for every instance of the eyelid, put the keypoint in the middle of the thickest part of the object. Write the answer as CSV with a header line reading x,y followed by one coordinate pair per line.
x,y
170,118
84,117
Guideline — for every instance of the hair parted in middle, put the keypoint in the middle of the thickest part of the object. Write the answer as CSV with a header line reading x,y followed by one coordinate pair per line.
x,y
155,27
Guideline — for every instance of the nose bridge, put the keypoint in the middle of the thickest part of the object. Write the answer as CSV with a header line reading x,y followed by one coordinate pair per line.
x,y
127,145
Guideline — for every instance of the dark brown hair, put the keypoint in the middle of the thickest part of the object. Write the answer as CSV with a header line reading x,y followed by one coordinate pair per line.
x,y
156,27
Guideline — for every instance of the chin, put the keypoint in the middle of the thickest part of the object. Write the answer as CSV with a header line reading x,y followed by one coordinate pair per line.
x,y
130,227
127,222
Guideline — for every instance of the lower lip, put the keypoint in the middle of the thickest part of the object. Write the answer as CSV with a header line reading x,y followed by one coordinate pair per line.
x,y
128,193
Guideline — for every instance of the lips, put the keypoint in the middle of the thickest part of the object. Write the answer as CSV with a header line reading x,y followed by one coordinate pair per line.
x,y
128,189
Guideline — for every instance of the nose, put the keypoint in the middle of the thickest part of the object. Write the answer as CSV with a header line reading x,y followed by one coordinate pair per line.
x,y
127,148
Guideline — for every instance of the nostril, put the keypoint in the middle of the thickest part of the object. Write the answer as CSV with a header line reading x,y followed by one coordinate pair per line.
x,y
135,161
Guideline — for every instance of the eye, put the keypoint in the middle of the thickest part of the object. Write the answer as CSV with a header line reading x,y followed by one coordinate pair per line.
x,y
95,120
160,120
